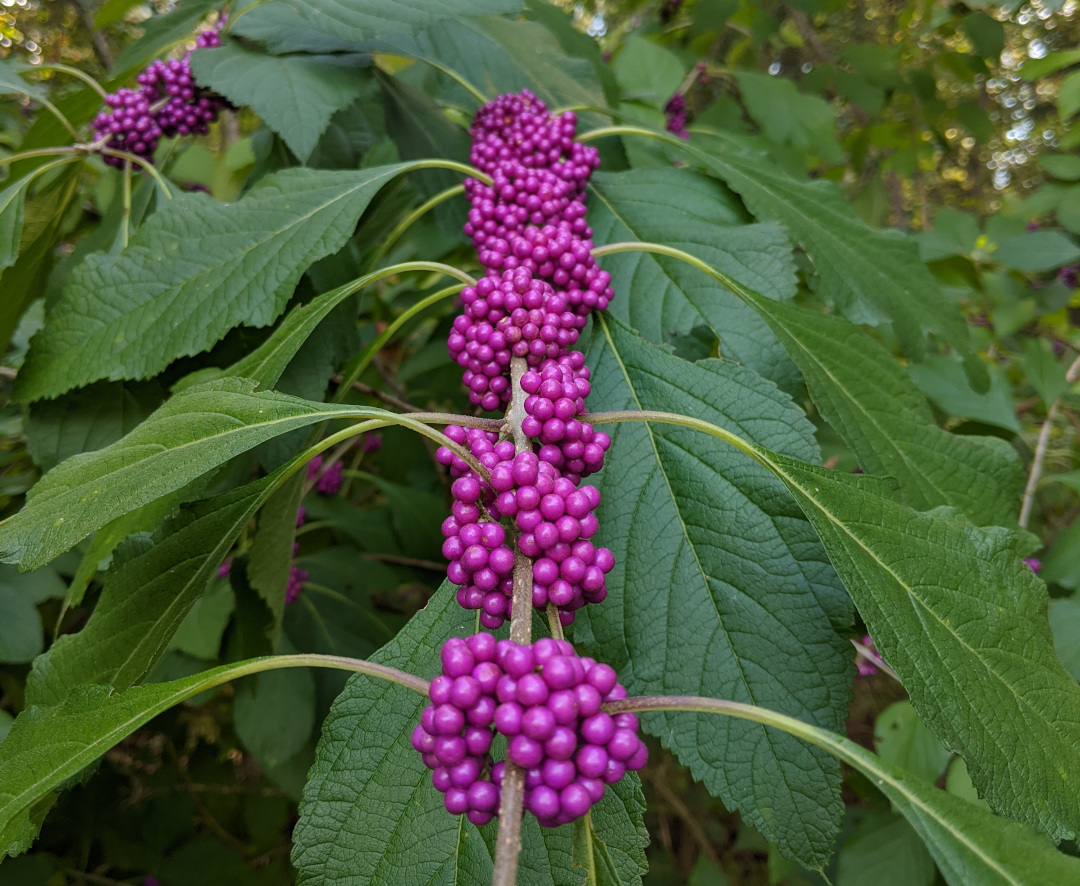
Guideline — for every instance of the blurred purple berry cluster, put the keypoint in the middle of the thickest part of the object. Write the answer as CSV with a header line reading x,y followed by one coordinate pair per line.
x,y
168,102
545,701
675,112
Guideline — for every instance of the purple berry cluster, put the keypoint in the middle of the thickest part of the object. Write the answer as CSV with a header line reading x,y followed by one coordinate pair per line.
x,y
540,287
675,112
168,102
330,480
554,517
545,700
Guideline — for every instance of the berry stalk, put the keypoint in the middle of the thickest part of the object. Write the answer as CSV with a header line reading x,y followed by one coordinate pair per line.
x,y
512,803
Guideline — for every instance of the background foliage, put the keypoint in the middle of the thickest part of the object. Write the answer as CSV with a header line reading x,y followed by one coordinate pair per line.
x,y
886,195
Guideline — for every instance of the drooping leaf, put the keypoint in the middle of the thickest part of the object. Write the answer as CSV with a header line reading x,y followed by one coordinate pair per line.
x,y
272,548
149,591
295,95
871,275
903,740
660,296
962,620
86,420
12,84
942,379
22,635
11,219
193,271
718,580
865,395
42,215
162,31
193,432
371,815
884,850
274,714
49,745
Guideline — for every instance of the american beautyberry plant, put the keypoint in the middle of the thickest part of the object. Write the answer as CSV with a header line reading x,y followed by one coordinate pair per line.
x,y
456,297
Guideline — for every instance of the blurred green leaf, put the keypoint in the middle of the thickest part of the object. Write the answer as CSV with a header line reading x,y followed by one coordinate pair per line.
x,y
22,635
1065,623
903,740
1037,68
1037,251
942,380
884,850
647,71
1061,166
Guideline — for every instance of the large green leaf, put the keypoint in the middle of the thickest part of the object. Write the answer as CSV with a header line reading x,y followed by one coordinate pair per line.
x,y
865,395
660,296
869,274
370,814
296,95
192,271
360,19
496,55
720,586
153,584
193,432
962,620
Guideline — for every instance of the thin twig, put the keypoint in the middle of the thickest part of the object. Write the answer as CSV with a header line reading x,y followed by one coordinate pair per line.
x,y
1040,449
101,47
692,824
512,805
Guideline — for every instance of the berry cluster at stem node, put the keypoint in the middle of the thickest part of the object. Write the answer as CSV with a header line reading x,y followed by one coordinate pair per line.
x,y
545,701
168,102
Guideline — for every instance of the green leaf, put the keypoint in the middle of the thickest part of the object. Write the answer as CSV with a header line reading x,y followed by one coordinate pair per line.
x,y
787,116
717,581
903,740
1068,97
162,32
200,633
1043,370
865,395
496,55
1065,623
11,219
295,95
360,19
1062,565
660,296
370,813
869,274
962,620
86,420
1065,167
191,433
271,554
22,635
148,593
43,214
1037,68
1037,251
192,271
49,745
274,714
12,84
986,34
942,380
884,850
647,71
112,11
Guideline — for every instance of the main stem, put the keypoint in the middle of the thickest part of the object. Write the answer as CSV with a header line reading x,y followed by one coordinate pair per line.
x,y
512,804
